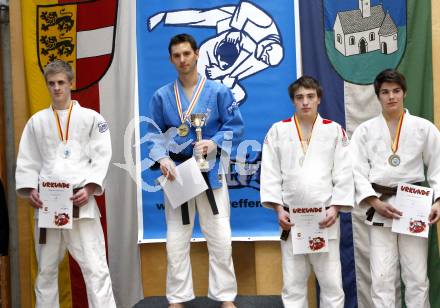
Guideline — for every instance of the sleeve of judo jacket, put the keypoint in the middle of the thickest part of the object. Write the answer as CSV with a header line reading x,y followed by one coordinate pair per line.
x,y
431,158
232,126
342,173
271,176
29,161
100,153
156,140
361,165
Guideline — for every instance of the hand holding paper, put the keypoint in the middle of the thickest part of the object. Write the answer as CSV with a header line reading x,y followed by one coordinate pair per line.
x,y
57,209
415,204
434,216
188,183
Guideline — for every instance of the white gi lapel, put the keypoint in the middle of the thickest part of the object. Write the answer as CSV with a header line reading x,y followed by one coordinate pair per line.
x,y
303,144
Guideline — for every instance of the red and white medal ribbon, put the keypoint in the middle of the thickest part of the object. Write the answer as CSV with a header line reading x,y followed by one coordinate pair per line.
x,y
193,103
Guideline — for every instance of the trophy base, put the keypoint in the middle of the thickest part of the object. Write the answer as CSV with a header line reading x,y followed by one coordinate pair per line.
x,y
203,165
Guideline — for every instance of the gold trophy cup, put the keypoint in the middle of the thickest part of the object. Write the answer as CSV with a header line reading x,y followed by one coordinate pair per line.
x,y
198,120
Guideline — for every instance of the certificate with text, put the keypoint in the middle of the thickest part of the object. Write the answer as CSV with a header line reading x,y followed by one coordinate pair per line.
x,y
415,204
57,209
188,184
306,235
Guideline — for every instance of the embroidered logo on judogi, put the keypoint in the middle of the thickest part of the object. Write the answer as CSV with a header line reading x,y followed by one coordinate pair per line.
x,y
103,127
234,106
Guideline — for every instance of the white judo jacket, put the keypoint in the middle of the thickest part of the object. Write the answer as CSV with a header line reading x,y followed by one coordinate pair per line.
x,y
325,177
41,152
419,146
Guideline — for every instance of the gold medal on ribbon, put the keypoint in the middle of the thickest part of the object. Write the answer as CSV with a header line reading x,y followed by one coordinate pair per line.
x,y
183,129
394,159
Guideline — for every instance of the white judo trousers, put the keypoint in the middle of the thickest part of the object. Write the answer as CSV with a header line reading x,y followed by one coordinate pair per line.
x,y
296,271
217,231
85,243
386,250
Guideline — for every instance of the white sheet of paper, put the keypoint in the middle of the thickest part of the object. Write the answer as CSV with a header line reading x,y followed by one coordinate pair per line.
x,y
306,235
415,204
57,209
188,184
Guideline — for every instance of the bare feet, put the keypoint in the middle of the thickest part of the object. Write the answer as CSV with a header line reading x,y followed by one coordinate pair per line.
x,y
228,305
176,306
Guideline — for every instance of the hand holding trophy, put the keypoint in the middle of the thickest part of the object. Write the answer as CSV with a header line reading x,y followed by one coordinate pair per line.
x,y
198,120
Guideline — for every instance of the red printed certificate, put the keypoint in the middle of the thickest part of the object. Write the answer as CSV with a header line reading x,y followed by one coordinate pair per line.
x,y
306,235
415,203
57,206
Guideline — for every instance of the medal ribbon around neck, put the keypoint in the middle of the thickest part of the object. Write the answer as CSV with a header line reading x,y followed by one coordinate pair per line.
x,y
193,102
301,139
395,145
60,130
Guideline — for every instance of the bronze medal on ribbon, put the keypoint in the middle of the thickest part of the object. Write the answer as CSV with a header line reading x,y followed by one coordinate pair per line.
x,y
183,130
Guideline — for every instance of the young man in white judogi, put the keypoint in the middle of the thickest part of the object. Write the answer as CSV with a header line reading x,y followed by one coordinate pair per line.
x,y
69,142
306,163
395,147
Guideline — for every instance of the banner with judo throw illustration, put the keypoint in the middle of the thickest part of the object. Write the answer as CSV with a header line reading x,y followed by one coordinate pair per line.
x,y
364,37
252,47
71,31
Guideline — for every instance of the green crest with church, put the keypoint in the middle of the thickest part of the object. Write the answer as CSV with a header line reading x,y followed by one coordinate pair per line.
x,y
363,37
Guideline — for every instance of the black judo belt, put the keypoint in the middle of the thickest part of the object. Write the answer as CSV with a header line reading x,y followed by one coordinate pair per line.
x,y
43,231
211,200
385,192
285,233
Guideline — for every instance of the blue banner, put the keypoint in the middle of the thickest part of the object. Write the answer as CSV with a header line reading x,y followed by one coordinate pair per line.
x,y
259,86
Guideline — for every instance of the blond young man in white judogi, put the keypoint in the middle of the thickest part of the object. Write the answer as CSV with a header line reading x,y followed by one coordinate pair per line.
x,y
69,142
395,147
306,163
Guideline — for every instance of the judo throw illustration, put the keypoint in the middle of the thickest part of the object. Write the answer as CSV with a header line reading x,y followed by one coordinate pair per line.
x,y
247,41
